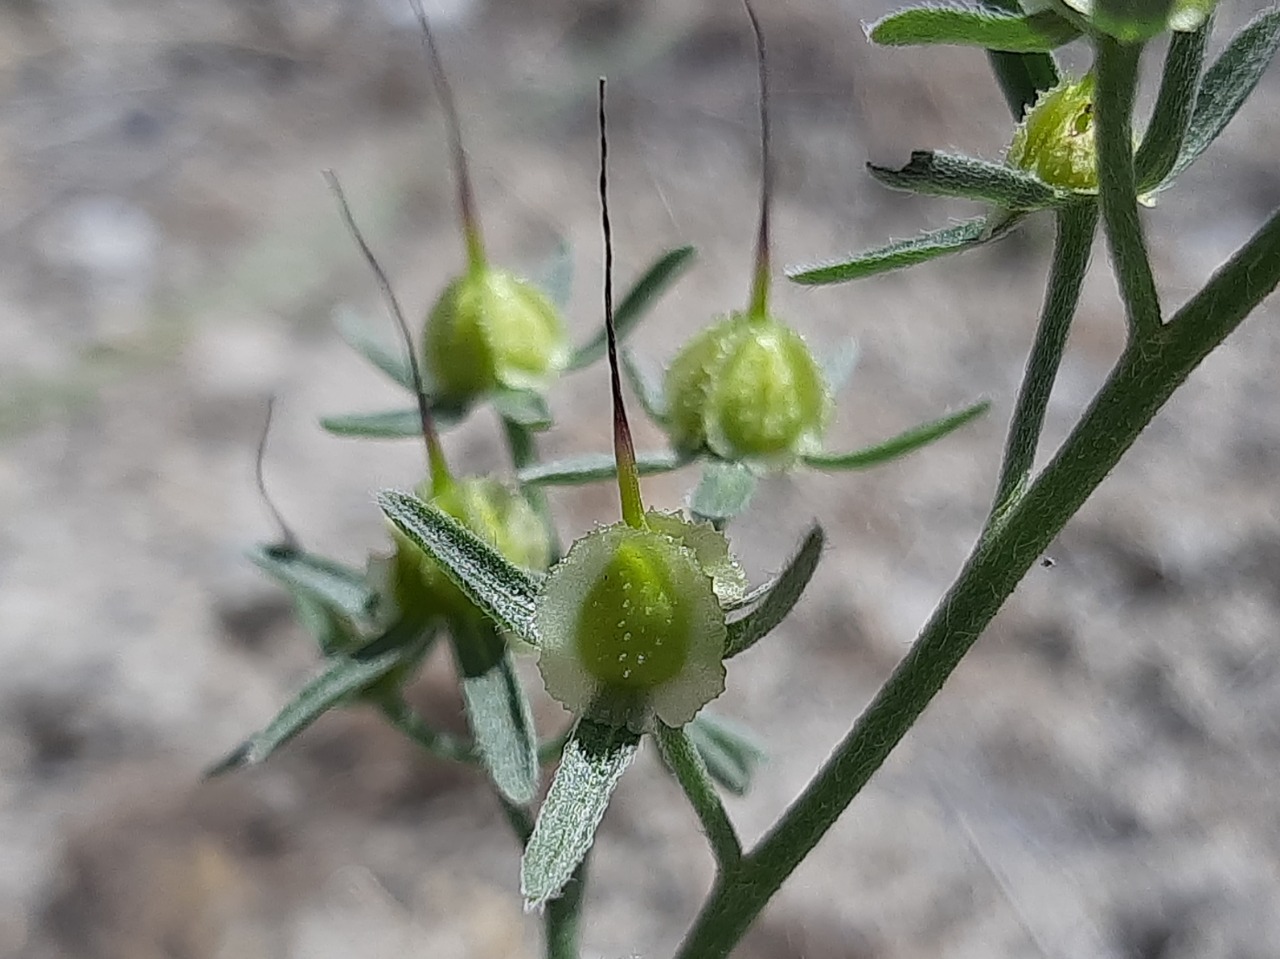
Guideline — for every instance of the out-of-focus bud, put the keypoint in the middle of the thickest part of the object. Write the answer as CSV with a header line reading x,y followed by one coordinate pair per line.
x,y
748,389
1055,140
492,330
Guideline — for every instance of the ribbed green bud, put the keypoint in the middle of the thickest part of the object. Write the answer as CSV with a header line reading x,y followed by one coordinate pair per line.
x,y
747,388
631,623
500,516
1055,140
491,330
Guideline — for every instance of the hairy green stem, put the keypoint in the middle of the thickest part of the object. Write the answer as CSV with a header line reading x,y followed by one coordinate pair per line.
x,y
691,773
1076,225
1142,381
1022,76
562,920
1179,83
1116,65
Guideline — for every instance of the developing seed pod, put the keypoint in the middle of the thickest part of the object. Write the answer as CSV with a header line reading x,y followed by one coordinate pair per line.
x,y
632,626
1055,139
747,388
500,516
489,329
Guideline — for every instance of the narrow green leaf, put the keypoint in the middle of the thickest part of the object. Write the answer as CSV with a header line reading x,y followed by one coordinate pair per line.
x,y
901,253
594,467
556,276
974,26
1228,83
332,631
327,581
343,679
647,385
900,445
503,591
947,174
497,711
774,607
838,363
593,761
730,751
652,284
1162,141
724,491
363,340
522,407
388,424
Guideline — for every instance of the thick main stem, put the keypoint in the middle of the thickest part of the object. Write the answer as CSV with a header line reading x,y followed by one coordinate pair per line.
x,y
1117,77
1071,250
1143,380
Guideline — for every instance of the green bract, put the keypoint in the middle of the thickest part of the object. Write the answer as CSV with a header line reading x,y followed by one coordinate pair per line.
x,y
631,622
747,388
492,330
1055,139
501,517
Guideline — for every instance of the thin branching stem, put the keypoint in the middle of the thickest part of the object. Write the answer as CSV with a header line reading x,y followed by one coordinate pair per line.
x,y
1076,226
691,773
288,539
1116,66
1141,383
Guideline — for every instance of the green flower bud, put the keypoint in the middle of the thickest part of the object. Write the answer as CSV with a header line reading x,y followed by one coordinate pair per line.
x,y
631,622
500,516
491,330
747,388
1055,139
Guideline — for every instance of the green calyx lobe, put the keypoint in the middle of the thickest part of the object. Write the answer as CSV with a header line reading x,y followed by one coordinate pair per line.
x,y
634,631
492,330
747,388
501,517
1055,140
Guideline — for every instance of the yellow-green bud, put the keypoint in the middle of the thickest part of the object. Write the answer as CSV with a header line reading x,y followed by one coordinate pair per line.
x,y
747,388
1055,139
631,624
491,330
500,516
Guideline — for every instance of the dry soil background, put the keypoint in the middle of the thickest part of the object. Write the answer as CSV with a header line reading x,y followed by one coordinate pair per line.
x,y
1100,780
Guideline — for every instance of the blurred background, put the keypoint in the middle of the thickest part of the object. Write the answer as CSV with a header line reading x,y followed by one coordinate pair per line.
x,y
1099,779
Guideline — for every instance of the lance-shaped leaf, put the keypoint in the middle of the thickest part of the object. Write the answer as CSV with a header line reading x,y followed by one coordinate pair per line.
x,y
594,467
900,445
723,492
652,284
947,174
902,253
781,598
974,26
504,592
389,424
1228,83
337,586
332,631
729,751
363,340
647,385
497,710
556,276
343,680
593,761
1162,141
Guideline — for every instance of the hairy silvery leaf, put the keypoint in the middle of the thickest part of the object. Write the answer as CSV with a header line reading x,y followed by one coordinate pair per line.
x,y
363,340
945,174
337,586
781,598
729,751
593,761
723,492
